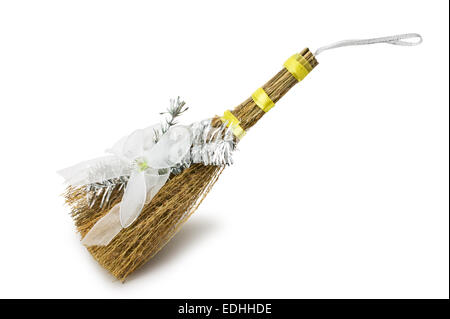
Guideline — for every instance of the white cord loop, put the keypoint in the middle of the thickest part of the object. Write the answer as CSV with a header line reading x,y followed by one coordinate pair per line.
x,y
394,39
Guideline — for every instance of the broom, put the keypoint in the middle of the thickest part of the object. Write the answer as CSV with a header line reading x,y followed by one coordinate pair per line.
x,y
177,200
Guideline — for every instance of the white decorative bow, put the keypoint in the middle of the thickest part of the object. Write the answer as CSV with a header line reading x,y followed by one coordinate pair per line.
x,y
148,165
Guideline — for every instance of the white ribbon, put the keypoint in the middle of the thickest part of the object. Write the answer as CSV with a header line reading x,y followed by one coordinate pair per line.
x,y
148,165
398,39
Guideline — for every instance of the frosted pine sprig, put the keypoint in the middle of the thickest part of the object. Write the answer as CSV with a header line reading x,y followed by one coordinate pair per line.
x,y
176,108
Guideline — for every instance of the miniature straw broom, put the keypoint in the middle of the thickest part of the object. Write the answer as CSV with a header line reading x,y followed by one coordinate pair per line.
x,y
161,218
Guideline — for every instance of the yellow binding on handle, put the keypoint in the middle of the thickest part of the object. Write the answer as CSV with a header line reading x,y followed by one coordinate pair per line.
x,y
230,120
298,66
261,99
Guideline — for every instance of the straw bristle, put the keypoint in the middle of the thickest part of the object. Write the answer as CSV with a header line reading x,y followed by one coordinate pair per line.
x,y
157,223
174,203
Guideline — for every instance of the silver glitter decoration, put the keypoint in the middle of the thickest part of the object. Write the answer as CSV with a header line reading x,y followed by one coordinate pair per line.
x,y
102,191
210,146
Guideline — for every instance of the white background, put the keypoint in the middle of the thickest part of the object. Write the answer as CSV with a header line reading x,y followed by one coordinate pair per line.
x,y
340,192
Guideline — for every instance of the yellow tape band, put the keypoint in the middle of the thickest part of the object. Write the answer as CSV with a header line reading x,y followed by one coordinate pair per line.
x,y
298,66
232,121
303,62
261,99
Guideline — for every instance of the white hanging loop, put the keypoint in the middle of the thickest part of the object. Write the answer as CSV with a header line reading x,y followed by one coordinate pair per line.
x,y
393,39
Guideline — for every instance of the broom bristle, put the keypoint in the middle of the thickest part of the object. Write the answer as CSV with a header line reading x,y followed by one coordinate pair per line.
x,y
156,224
173,204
